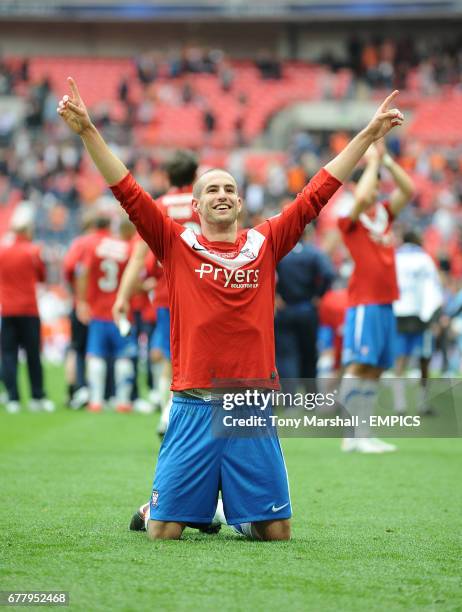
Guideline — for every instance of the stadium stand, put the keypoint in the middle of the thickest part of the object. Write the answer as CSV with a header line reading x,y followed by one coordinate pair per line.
x,y
200,98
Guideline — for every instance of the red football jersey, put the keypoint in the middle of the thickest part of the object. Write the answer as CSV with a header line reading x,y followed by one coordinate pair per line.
x,y
21,268
332,309
105,261
221,295
370,242
152,269
161,290
74,256
140,300
177,204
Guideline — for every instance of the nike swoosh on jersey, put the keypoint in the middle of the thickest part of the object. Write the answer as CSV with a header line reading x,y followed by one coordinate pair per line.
x,y
277,508
196,249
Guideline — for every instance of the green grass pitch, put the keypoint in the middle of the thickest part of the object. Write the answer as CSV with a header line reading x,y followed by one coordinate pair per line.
x,y
369,532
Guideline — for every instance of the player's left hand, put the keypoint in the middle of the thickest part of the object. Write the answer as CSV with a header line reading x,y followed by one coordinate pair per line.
x,y
385,118
120,309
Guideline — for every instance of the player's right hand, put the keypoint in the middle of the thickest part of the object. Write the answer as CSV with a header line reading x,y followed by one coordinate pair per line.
x,y
121,308
73,110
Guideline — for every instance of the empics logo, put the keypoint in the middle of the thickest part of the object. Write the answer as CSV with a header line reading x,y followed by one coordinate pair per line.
x,y
235,279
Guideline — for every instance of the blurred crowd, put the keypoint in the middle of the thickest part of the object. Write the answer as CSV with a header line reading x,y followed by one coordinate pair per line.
x,y
42,163
387,62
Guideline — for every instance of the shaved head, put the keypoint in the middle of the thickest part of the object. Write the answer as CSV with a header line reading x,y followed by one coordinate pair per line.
x,y
216,200
206,177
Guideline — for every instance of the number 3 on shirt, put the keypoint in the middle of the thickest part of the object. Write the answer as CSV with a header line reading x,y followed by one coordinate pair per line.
x,y
109,281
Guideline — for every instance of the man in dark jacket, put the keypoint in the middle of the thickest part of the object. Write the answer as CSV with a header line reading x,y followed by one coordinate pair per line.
x,y
304,275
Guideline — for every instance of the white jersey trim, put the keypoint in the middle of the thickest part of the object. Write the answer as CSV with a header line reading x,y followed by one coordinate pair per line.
x,y
249,252
359,323
379,224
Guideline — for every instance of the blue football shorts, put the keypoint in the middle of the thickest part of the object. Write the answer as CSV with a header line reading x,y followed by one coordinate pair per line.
x,y
418,344
370,335
104,340
325,338
195,463
160,339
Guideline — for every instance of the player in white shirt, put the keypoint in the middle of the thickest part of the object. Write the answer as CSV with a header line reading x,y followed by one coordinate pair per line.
x,y
420,299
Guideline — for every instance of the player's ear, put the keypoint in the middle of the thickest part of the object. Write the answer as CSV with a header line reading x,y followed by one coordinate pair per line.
x,y
195,206
239,204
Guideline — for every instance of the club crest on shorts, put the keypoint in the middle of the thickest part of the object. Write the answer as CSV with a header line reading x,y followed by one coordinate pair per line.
x,y
154,498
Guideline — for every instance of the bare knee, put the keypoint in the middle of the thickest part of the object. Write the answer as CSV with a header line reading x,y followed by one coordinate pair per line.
x,y
162,530
272,531
156,356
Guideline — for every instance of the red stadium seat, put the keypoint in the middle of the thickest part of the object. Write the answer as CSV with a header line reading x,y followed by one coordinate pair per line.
x,y
182,125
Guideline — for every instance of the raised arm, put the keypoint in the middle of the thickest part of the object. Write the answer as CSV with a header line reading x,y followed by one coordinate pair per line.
x,y
367,184
153,226
73,110
404,189
381,123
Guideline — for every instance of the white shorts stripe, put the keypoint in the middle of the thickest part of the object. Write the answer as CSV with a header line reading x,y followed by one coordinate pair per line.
x,y
359,322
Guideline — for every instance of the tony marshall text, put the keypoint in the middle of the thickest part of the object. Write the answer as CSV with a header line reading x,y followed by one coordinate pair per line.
x,y
314,421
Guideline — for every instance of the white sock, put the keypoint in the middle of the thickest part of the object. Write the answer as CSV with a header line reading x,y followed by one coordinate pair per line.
x,y
147,515
96,377
165,411
124,373
156,369
349,389
219,513
399,394
350,396
247,530
369,390
423,397
164,389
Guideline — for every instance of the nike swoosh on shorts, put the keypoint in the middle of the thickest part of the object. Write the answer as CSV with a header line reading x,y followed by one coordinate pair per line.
x,y
277,508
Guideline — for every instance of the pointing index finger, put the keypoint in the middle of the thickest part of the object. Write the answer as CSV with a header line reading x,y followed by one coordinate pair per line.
x,y
75,91
388,100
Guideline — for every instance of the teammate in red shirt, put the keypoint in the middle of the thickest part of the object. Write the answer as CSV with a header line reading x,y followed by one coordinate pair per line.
x,y
21,269
99,275
176,204
143,320
368,347
75,359
332,309
221,296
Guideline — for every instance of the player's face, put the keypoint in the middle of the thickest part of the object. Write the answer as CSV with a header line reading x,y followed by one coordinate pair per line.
x,y
219,202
